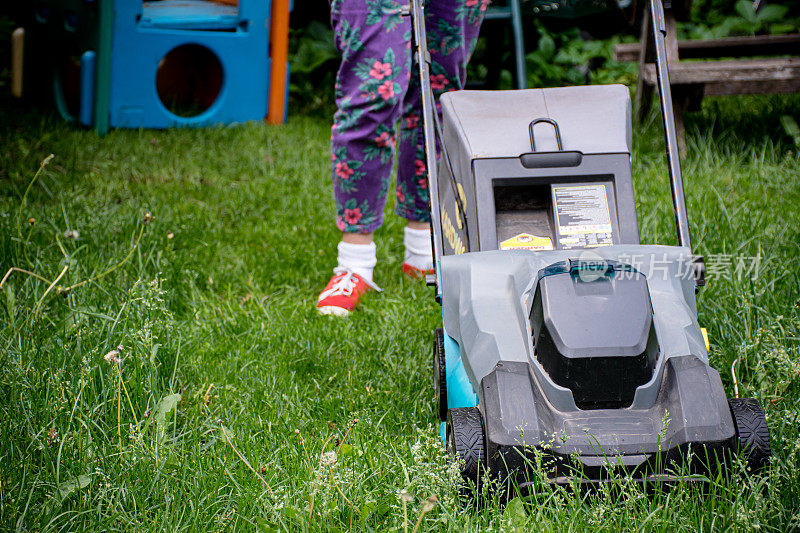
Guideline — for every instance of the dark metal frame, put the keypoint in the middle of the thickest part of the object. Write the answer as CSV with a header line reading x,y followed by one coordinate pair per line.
x,y
668,118
430,127
423,59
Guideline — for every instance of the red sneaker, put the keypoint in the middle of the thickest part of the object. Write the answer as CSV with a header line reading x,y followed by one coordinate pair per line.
x,y
414,272
342,293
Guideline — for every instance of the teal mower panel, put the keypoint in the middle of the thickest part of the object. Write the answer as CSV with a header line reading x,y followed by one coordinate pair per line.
x,y
459,390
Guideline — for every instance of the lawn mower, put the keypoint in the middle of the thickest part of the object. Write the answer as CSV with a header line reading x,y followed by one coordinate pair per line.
x,y
565,342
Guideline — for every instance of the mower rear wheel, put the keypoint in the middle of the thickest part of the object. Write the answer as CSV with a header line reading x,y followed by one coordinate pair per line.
x,y
440,373
465,442
752,432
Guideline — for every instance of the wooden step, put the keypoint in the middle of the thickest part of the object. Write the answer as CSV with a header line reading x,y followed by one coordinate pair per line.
x,y
758,45
741,76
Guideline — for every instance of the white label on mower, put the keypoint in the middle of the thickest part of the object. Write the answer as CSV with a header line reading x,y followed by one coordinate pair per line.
x,y
582,216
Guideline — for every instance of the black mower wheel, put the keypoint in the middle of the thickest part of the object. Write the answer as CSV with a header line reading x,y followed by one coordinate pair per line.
x,y
465,442
752,432
440,373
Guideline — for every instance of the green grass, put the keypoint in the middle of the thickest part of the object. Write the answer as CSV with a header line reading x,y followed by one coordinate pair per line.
x,y
222,314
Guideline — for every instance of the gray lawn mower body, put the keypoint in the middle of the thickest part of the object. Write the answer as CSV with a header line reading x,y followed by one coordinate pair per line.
x,y
562,335
613,409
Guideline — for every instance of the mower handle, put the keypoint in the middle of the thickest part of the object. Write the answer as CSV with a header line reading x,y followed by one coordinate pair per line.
x,y
668,118
667,114
423,58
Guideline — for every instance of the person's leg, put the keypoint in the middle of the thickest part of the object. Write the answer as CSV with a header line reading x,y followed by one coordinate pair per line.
x,y
452,29
372,78
370,83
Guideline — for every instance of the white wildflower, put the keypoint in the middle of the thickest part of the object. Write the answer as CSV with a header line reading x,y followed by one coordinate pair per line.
x,y
112,357
429,504
328,458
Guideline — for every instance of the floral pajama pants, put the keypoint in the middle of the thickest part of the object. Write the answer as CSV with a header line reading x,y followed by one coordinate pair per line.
x,y
375,90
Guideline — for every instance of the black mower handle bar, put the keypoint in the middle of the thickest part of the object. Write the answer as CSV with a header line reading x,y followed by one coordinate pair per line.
x,y
668,118
429,120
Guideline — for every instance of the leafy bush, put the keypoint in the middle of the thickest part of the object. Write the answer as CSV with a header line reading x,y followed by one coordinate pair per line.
x,y
559,57
742,19
566,58
314,60
6,27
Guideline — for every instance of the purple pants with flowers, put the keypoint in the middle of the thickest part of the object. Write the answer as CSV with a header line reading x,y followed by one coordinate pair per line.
x,y
375,90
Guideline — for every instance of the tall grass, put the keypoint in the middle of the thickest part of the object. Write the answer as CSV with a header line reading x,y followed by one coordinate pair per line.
x,y
191,386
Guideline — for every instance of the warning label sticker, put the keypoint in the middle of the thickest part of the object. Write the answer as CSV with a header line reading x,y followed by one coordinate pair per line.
x,y
586,240
526,241
582,216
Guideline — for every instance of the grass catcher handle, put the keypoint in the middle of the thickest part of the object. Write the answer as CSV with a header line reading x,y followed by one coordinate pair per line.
x,y
556,159
555,129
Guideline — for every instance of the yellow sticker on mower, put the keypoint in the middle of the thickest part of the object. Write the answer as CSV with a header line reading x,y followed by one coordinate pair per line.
x,y
704,331
526,241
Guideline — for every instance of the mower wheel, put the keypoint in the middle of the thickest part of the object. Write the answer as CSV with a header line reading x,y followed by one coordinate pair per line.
x,y
440,373
752,432
465,442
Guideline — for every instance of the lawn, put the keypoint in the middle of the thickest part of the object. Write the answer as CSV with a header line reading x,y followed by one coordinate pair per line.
x,y
232,405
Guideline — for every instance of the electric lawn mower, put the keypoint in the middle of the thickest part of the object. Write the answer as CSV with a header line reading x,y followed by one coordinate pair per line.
x,y
562,334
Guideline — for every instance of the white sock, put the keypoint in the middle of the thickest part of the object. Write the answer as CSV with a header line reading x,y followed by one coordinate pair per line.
x,y
360,258
418,248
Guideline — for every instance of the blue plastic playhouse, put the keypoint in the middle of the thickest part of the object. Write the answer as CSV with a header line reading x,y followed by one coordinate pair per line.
x,y
188,63
167,63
